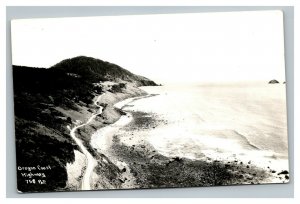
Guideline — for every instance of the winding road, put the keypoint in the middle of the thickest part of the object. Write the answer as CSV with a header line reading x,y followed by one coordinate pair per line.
x,y
91,162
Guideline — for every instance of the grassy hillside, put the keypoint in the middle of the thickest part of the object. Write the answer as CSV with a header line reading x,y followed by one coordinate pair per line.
x,y
95,70
46,101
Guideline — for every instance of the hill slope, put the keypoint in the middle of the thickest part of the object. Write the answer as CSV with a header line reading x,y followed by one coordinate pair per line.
x,y
46,101
96,69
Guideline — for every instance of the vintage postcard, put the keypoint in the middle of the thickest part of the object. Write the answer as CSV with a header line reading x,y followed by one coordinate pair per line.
x,y
150,101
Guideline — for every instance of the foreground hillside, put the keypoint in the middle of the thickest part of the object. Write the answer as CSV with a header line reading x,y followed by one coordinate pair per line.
x,y
49,100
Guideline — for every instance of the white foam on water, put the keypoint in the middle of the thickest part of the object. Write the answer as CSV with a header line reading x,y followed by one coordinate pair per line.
x,y
222,122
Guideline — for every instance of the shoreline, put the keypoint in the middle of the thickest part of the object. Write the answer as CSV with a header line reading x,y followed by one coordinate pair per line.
x,y
154,170
136,163
43,112
103,139
89,151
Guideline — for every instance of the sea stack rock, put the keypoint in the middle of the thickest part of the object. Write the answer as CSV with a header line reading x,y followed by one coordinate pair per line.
x,y
273,82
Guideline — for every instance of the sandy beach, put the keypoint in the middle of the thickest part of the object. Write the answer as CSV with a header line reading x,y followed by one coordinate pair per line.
x,y
146,158
152,169
104,119
138,146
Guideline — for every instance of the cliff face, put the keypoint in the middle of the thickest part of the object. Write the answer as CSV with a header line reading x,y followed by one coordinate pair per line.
x,y
47,101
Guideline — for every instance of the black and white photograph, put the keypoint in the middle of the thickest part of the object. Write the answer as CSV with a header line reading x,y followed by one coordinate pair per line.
x,y
150,101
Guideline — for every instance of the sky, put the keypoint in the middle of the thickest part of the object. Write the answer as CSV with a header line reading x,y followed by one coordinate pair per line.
x,y
179,48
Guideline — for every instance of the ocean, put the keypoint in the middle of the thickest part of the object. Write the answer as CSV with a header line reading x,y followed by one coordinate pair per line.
x,y
220,121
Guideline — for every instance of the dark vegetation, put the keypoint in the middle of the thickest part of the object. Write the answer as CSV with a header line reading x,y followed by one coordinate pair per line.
x,y
52,86
40,128
41,134
117,88
88,68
